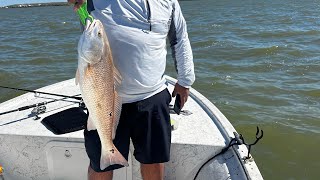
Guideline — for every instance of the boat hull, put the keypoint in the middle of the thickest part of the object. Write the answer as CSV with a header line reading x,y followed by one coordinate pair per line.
x,y
28,150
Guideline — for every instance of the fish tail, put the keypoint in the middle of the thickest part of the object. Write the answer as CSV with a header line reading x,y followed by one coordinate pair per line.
x,y
110,157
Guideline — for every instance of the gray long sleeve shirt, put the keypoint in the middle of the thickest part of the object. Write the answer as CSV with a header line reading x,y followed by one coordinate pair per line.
x,y
137,31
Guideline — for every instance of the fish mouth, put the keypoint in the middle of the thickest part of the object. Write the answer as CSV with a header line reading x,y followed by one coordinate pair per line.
x,y
90,25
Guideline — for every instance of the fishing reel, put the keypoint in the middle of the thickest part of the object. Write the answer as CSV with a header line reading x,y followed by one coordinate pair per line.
x,y
82,105
38,110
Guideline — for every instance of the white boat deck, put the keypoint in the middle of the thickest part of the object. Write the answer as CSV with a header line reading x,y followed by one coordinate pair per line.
x,y
28,150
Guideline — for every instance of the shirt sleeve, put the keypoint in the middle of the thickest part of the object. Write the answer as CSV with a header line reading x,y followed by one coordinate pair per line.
x,y
181,48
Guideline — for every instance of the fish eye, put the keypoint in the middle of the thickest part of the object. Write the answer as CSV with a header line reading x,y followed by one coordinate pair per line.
x,y
99,34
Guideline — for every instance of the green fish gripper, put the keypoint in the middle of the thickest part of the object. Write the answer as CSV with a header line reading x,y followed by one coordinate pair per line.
x,y
83,14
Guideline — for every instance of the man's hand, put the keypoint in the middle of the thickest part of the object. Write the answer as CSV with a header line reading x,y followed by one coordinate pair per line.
x,y
182,91
77,3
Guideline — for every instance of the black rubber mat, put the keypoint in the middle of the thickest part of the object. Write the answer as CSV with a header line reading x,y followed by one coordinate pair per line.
x,y
69,120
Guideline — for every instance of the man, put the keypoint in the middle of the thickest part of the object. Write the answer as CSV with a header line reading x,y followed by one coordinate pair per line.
x,y
137,31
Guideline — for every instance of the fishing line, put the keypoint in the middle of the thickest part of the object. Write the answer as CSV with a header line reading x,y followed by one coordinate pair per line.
x,y
40,92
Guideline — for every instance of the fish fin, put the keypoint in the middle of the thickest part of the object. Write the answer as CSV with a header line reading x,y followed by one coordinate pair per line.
x,y
77,77
117,113
90,124
110,157
117,78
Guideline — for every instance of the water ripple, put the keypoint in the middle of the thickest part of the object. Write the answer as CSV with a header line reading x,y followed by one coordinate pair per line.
x,y
258,61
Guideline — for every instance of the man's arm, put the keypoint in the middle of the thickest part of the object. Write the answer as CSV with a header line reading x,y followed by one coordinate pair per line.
x,y
181,53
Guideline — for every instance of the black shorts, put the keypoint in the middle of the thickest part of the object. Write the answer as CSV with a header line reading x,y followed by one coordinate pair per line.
x,y
147,123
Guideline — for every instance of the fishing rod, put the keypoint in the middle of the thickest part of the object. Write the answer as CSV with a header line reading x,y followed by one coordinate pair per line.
x,y
40,106
39,92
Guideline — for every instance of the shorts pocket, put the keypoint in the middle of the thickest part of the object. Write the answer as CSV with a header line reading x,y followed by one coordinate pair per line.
x,y
169,97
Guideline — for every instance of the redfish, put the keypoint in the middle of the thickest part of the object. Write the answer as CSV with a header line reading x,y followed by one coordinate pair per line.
x,y
98,79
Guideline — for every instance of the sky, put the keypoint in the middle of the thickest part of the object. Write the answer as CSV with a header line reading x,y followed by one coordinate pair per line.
x,y
11,2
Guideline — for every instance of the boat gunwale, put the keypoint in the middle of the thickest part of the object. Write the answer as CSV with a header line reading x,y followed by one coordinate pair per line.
x,y
226,129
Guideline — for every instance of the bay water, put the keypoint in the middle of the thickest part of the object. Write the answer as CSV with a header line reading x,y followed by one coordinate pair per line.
x,y
257,61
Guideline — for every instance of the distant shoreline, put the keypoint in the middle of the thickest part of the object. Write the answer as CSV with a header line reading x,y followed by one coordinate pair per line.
x,y
36,5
